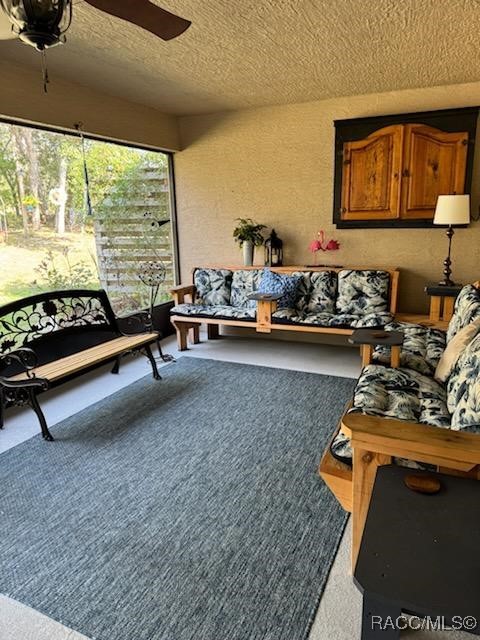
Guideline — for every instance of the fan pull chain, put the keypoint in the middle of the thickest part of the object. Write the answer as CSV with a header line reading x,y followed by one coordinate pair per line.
x,y
46,79
88,201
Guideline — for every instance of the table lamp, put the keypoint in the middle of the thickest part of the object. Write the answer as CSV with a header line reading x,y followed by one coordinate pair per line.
x,y
451,210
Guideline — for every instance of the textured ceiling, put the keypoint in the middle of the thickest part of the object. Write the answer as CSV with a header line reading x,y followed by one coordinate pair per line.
x,y
246,53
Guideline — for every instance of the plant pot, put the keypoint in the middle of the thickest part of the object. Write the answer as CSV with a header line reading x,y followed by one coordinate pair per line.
x,y
248,250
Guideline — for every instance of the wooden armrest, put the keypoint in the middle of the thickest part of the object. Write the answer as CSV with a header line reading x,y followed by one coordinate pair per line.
x,y
266,305
181,291
183,287
265,297
376,337
412,440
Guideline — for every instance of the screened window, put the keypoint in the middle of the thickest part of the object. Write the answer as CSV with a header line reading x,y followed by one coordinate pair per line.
x,y
51,239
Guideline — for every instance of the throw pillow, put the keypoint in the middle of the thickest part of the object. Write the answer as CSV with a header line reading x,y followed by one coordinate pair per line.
x,y
454,350
279,283
467,308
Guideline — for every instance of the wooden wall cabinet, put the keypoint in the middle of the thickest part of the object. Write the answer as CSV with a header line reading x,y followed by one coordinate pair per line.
x,y
371,175
393,175
434,163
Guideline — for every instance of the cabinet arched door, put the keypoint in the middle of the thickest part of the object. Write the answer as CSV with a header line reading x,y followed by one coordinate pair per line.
x,y
435,163
371,175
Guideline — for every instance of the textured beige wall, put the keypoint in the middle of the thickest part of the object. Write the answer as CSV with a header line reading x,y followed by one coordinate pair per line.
x,y
275,164
21,96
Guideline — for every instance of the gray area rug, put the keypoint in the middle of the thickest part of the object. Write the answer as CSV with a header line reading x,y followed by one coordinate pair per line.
x,y
180,509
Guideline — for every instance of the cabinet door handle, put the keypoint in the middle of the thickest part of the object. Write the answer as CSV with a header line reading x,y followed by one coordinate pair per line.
x,y
406,173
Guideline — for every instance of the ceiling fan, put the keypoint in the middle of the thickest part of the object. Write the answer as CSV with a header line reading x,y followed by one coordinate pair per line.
x,y
43,23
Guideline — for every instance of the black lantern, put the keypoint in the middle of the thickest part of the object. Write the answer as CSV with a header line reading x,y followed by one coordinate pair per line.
x,y
273,250
39,23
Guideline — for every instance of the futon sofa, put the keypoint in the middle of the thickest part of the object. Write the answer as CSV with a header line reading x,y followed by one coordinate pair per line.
x,y
424,414
411,392
316,300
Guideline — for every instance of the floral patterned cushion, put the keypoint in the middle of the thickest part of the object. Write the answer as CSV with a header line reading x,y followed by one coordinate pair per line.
x,y
316,291
463,389
323,292
406,394
293,316
403,394
214,311
303,290
244,283
367,321
341,449
396,393
362,291
421,350
213,286
286,316
467,308
315,319
323,319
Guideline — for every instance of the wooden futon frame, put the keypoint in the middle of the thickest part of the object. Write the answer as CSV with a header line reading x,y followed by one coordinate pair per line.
x,y
53,337
376,441
263,322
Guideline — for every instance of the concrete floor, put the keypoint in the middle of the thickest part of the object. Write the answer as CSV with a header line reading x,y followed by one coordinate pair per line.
x,y
339,613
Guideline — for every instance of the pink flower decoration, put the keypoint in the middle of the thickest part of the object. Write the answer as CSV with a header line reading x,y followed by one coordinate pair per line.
x,y
322,244
332,245
315,246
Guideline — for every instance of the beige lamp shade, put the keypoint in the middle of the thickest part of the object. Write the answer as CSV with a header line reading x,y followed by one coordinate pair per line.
x,y
452,210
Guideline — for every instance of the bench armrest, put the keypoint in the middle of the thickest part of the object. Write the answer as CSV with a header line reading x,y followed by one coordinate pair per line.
x,y
27,358
29,383
414,441
24,356
181,291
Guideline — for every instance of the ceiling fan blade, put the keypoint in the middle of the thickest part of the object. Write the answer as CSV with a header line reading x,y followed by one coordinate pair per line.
x,y
146,15
6,32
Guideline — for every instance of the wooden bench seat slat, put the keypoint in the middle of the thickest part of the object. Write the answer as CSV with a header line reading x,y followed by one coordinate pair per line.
x,y
84,359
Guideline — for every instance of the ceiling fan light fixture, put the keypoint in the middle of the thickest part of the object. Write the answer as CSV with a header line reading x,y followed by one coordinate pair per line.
x,y
39,23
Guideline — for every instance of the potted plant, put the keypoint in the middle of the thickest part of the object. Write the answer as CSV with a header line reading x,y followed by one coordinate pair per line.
x,y
248,234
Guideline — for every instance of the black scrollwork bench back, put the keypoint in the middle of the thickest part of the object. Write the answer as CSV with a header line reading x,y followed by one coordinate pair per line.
x,y
55,325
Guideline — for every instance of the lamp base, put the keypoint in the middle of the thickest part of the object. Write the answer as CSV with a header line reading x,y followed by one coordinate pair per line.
x,y
447,263
447,283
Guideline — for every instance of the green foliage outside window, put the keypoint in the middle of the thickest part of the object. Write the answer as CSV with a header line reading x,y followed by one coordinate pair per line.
x,y
47,240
